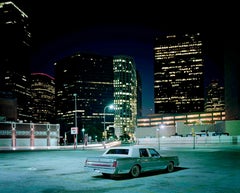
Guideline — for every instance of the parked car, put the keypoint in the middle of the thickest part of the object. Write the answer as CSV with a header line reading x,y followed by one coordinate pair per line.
x,y
132,160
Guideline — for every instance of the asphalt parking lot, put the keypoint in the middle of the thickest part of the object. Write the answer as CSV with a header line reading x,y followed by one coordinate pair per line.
x,y
208,169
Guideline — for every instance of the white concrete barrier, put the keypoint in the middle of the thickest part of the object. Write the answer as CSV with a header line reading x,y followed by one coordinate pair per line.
x,y
189,140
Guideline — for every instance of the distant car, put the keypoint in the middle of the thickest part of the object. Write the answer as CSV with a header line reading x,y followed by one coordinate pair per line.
x,y
132,160
176,135
220,133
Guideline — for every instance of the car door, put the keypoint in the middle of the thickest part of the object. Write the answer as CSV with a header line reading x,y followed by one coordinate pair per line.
x,y
144,157
156,160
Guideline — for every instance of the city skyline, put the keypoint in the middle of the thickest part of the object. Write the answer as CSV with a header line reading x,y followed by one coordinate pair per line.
x,y
59,30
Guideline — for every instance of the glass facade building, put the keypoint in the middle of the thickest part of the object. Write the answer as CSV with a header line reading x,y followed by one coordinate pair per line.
x,y
125,95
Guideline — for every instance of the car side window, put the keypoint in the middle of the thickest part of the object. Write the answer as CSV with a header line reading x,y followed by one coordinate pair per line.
x,y
143,153
154,153
118,151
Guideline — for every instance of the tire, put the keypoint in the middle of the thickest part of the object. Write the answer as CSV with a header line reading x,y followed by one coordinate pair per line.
x,y
135,171
170,167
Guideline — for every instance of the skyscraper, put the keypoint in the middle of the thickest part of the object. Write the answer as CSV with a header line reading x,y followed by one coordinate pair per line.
x,y
178,73
14,59
125,95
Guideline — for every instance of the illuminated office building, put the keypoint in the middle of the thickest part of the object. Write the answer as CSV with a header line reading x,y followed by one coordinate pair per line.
x,y
84,87
43,98
14,61
170,120
178,74
125,95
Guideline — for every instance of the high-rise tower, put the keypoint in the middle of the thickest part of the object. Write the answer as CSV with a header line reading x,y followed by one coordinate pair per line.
x,y
178,73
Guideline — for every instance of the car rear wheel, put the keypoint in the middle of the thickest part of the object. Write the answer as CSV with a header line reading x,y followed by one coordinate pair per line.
x,y
135,171
106,175
170,167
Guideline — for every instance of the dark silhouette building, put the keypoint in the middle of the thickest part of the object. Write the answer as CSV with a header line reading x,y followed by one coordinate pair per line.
x,y
139,94
214,100
14,60
84,87
231,77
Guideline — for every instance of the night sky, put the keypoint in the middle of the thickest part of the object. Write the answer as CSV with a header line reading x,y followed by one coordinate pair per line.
x,y
62,28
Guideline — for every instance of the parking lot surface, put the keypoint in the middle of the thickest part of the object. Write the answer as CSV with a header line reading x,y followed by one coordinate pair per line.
x,y
208,169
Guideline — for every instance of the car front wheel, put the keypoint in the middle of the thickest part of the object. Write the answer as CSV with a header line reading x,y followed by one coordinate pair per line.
x,y
135,171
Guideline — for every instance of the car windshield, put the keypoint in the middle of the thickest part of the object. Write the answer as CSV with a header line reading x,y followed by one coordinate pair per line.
x,y
118,151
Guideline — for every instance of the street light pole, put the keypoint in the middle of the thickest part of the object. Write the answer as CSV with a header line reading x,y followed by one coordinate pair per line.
x,y
104,119
83,130
65,137
159,130
104,124
75,97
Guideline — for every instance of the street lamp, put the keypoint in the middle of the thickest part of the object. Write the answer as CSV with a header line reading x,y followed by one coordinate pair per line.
x,y
104,127
75,97
158,130
83,130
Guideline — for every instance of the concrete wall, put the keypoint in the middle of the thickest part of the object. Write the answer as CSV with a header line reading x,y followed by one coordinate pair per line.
x,y
184,129
233,127
152,132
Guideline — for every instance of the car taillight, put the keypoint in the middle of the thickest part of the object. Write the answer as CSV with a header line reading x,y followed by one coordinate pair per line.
x,y
114,164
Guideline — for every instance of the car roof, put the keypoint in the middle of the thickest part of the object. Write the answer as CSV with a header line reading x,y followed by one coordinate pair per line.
x,y
130,147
